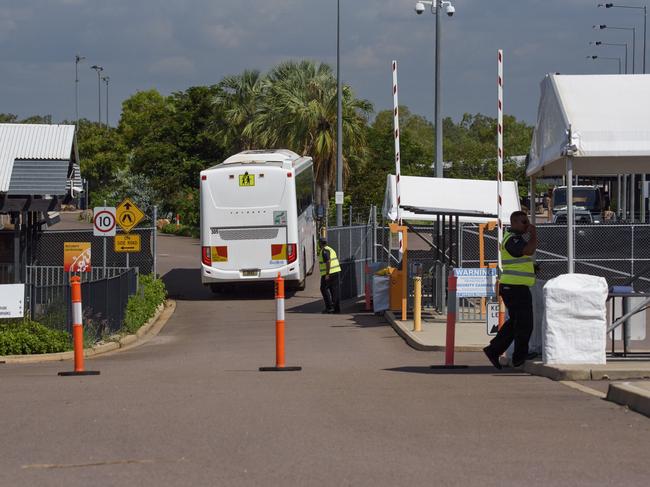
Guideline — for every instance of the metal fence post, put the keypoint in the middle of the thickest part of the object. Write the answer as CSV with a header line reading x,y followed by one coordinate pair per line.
x,y
154,240
374,233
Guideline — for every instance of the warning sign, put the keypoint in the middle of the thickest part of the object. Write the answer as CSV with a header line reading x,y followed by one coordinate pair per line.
x,y
492,312
127,243
76,256
128,215
247,179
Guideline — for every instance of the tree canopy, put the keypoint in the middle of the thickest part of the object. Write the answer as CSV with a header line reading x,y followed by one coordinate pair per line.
x,y
161,143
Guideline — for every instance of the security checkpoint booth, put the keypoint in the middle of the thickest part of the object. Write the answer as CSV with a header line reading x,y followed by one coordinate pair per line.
x,y
433,212
39,170
595,125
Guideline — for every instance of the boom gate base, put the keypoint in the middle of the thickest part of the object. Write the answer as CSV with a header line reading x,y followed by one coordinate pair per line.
x,y
280,369
85,372
449,367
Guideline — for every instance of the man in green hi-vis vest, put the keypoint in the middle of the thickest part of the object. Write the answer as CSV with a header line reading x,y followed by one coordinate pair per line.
x,y
517,277
330,270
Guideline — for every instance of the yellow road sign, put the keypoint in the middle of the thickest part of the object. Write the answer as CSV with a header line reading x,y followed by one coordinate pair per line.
x,y
247,179
127,243
128,215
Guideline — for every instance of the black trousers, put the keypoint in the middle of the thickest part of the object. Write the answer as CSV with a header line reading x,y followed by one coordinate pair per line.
x,y
519,326
329,288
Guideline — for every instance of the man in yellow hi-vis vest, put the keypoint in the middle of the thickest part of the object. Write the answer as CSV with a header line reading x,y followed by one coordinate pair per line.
x,y
517,277
330,270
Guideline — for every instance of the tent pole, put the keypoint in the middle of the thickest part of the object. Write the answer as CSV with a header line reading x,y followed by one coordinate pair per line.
x,y
632,198
533,203
569,215
643,198
624,196
618,196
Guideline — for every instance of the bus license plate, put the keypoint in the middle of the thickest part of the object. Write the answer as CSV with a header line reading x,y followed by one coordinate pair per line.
x,y
250,273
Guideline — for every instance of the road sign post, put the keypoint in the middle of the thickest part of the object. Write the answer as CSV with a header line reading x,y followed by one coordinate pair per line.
x,y
128,216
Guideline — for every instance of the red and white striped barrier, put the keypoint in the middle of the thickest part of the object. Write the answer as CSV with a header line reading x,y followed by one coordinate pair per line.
x,y
502,313
500,155
77,330
398,165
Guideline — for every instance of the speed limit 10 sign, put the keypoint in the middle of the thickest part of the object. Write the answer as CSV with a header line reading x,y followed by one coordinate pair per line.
x,y
104,221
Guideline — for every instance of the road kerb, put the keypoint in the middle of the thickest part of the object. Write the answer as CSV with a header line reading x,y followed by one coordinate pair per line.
x,y
630,395
146,332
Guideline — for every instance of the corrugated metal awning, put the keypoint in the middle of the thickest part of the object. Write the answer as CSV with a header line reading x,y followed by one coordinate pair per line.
x,y
33,142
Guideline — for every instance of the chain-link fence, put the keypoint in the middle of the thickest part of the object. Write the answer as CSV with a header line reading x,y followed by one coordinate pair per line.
x,y
49,249
104,295
617,252
353,247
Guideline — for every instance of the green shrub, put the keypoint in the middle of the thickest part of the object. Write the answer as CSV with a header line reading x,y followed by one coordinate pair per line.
x,y
181,230
142,305
30,337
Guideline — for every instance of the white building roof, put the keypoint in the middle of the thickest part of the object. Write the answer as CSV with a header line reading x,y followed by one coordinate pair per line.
x,y
422,199
34,142
609,118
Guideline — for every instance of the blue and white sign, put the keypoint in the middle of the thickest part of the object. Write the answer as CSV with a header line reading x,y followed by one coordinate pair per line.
x,y
476,282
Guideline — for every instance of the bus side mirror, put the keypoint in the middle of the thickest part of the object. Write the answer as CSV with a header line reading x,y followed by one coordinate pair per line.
x,y
319,212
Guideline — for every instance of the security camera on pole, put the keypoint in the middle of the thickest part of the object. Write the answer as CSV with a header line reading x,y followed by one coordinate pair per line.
x,y
437,7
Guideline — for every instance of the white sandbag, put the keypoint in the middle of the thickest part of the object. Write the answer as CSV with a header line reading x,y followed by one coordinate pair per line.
x,y
380,293
575,320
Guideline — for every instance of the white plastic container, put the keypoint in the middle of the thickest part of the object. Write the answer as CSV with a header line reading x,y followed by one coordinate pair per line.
x,y
575,320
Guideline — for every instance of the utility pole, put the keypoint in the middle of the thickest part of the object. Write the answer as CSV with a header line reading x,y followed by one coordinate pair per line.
x,y
106,79
339,121
77,60
99,70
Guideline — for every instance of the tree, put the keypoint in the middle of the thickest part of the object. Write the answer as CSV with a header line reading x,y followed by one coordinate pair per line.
x,y
367,182
237,99
298,110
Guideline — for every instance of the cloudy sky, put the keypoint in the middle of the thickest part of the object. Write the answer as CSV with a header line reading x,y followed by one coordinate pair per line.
x,y
173,44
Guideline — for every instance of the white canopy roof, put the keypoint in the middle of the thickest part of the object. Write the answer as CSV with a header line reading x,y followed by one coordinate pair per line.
x,y
609,117
424,198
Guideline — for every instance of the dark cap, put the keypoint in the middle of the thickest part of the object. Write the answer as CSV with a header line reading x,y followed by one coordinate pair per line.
x,y
322,240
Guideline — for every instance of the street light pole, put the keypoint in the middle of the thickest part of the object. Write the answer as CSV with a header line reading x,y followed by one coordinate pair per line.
x,y
77,60
437,7
438,93
633,29
599,43
645,23
339,121
106,79
608,59
99,70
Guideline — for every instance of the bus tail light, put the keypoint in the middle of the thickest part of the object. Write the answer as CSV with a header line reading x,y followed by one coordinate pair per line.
x,y
284,252
205,256
291,253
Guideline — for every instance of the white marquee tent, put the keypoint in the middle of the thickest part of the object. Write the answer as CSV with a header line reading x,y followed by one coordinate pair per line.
x,y
422,199
591,125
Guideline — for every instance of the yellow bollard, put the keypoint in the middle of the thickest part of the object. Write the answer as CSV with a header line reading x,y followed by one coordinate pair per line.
x,y
417,304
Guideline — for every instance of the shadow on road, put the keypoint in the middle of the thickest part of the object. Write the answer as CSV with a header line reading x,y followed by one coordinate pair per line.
x,y
471,370
185,285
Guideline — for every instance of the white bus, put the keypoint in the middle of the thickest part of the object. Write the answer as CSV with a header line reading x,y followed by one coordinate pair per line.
x,y
257,219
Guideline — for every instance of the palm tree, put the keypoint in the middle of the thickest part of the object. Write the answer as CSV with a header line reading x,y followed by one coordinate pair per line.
x,y
237,103
297,110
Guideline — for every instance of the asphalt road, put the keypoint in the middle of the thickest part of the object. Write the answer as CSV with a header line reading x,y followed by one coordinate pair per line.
x,y
189,407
